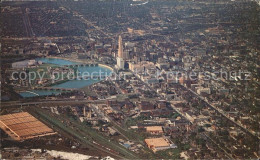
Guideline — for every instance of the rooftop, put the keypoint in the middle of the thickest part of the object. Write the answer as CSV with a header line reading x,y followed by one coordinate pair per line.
x,y
21,126
154,128
157,142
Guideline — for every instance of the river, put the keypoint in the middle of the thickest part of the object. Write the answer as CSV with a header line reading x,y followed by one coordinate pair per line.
x,y
71,84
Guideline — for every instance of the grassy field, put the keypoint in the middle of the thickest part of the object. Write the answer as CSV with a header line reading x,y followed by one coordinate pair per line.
x,y
42,70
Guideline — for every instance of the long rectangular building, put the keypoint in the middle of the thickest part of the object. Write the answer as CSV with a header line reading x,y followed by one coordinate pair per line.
x,y
157,144
22,126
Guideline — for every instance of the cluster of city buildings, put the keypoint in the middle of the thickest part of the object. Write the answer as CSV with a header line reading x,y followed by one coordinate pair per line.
x,y
189,82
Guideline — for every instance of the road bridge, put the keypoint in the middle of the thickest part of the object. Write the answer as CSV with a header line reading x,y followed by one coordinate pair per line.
x,y
54,89
82,65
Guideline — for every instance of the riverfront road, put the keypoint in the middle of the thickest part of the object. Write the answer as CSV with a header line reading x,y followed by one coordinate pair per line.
x,y
57,101
45,102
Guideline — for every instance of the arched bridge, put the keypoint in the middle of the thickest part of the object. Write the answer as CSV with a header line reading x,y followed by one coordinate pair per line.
x,y
83,65
54,89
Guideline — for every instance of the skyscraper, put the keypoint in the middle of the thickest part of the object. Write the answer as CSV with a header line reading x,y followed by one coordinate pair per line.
x,y
121,56
120,48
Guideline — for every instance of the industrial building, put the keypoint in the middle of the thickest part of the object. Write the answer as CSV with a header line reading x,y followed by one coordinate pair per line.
x,y
154,129
22,126
157,144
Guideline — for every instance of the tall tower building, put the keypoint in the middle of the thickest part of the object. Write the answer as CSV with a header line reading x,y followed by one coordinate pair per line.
x,y
120,48
121,56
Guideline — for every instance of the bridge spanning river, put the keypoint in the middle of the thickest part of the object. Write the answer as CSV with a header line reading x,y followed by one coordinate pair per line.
x,y
82,65
90,65
54,89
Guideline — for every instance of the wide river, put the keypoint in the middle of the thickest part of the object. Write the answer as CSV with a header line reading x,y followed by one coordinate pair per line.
x,y
68,84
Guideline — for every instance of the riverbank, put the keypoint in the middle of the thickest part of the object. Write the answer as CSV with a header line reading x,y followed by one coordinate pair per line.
x,y
67,59
106,66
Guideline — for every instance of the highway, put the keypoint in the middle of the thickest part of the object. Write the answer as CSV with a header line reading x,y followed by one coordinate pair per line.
x,y
27,23
50,102
65,101
87,22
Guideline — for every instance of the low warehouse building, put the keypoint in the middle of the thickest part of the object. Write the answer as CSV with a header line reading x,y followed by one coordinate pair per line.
x,y
22,126
154,129
157,144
